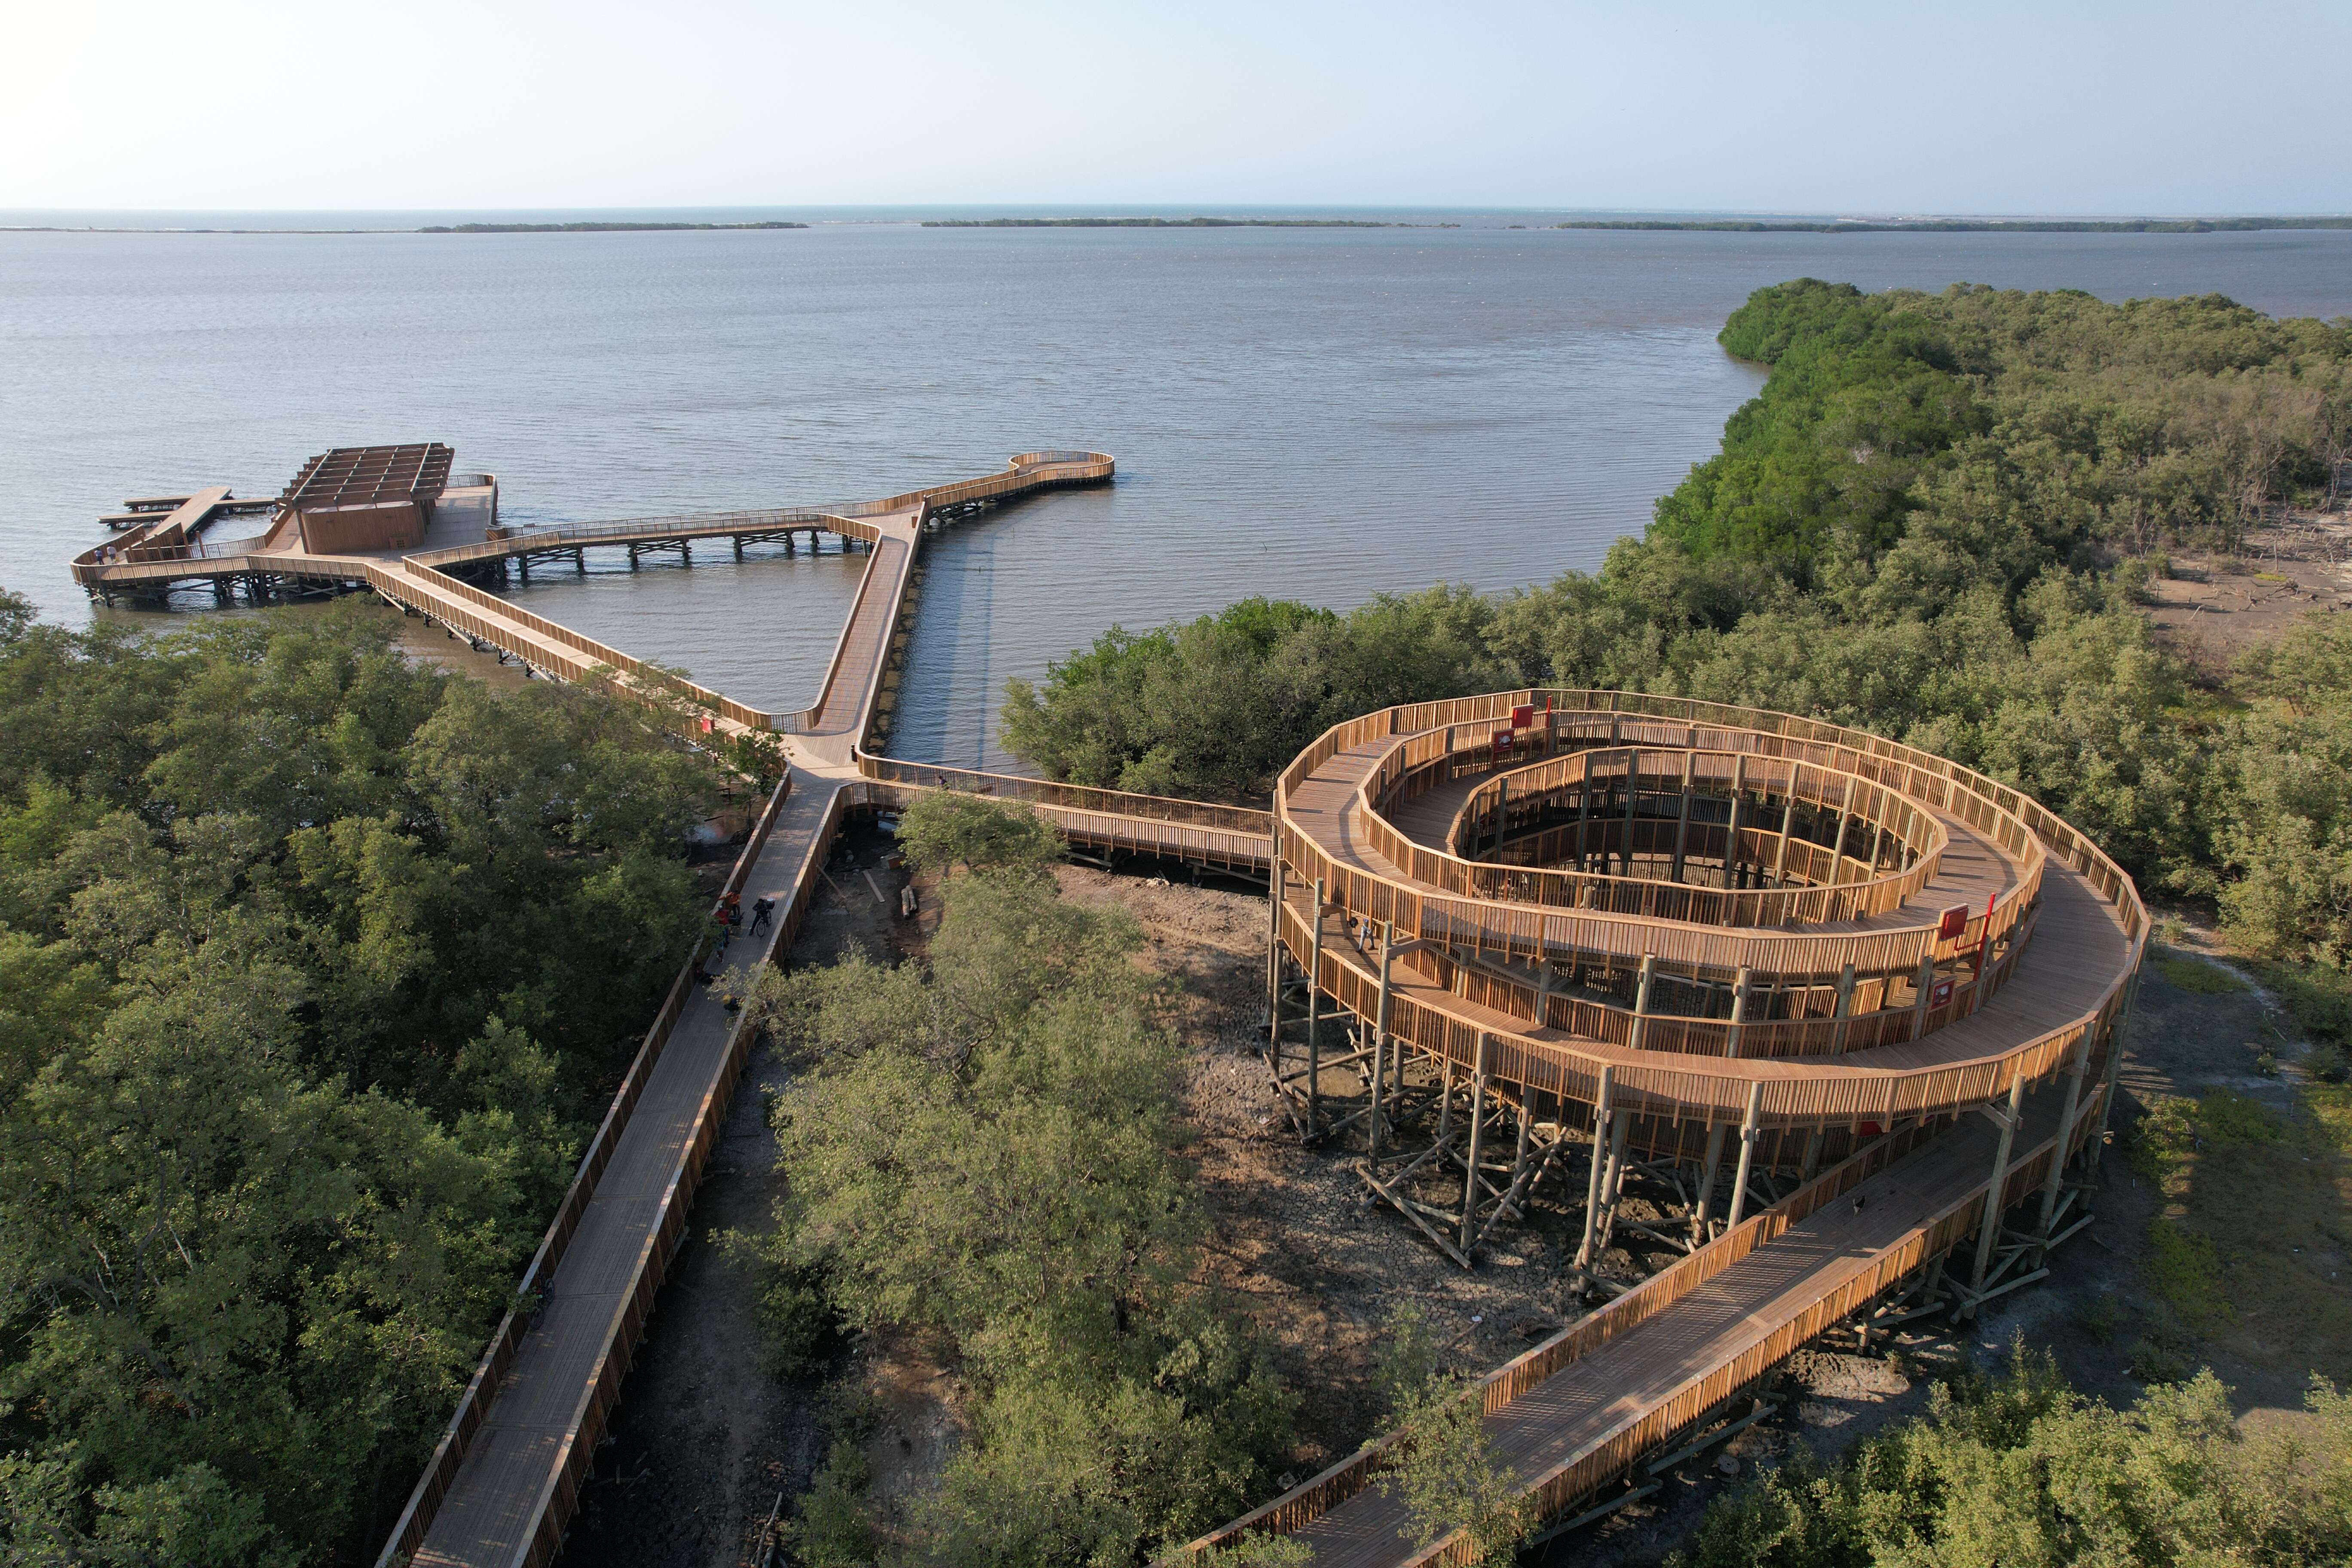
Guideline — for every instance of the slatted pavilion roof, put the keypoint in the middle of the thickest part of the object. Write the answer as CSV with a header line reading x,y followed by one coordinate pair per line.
x,y
364,476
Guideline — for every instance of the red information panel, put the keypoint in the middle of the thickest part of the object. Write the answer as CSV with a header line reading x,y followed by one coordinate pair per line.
x,y
1505,740
1523,715
1939,993
1954,921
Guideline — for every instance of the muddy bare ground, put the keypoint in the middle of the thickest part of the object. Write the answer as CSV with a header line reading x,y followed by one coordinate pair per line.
x,y
2215,606
704,1444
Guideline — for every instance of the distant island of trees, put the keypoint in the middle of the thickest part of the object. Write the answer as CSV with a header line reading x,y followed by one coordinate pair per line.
x,y
1975,226
1173,223
598,227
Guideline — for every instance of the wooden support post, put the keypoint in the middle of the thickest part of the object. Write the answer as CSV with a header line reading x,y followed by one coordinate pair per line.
x,y
1748,1131
1642,1001
1837,850
1923,984
1812,1157
1583,809
2076,1072
1788,821
1614,1184
1502,811
1381,1034
1737,1039
1477,1134
1315,1021
1731,830
1682,816
1709,1172
1844,1006
1274,944
1632,789
1601,1114
739,547
2107,1088
1989,1227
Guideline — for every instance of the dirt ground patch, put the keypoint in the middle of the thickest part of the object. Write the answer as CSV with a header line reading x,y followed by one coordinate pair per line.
x,y
2214,606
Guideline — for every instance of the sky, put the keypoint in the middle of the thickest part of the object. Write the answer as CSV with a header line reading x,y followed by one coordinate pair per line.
x,y
2078,107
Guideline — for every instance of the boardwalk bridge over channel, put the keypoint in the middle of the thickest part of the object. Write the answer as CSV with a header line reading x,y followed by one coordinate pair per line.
x,y
1848,1013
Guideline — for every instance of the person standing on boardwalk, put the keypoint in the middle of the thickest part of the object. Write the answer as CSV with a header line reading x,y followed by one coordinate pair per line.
x,y
761,910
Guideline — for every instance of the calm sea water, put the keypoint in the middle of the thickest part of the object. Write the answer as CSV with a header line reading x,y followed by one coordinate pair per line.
x,y
1314,413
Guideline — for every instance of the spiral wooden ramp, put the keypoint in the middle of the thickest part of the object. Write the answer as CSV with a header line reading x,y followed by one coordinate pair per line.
x,y
1857,1004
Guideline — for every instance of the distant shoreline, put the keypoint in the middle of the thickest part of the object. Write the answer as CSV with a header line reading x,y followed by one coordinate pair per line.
x,y
614,227
1648,226
1973,225
591,227
1175,223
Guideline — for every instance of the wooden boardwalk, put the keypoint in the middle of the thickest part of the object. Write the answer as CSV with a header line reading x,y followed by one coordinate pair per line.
x,y
1978,950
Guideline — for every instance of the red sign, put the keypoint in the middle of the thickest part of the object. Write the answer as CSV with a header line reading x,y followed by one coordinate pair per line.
x,y
707,726
1955,920
1505,740
1939,994
1523,715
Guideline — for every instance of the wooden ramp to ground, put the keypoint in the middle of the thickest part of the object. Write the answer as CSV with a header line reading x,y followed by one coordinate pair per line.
x,y
1589,1416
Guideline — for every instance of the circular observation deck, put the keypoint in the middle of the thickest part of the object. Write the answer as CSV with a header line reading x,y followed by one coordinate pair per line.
x,y
1703,915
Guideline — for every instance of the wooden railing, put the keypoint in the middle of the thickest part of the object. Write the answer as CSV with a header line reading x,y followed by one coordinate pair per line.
x,y
1614,1452
1680,1072
1696,1087
473,1405
1075,797
1831,892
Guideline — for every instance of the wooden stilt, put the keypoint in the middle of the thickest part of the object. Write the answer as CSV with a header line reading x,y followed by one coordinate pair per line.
x,y
1632,794
1613,1184
1601,1113
1276,890
1642,1001
2076,1072
1713,1167
1989,1227
1748,1131
1682,816
1380,1036
1737,1038
1731,830
1314,1022
1477,1134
